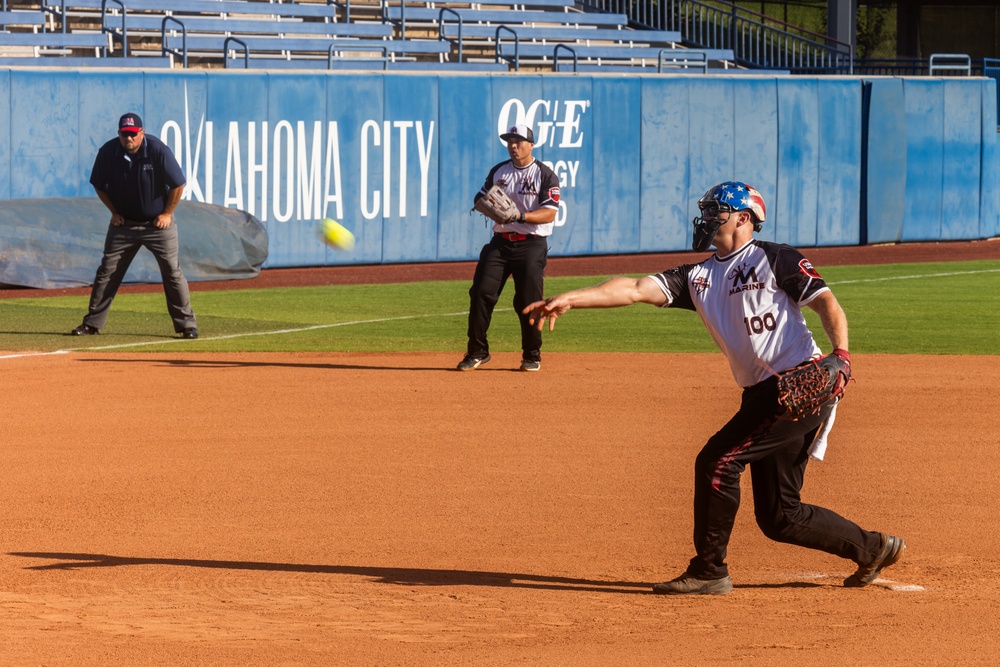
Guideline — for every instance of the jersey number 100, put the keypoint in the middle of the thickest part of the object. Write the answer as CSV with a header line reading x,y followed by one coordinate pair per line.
x,y
759,324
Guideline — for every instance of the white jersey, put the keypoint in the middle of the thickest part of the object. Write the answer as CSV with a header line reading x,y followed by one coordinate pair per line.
x,y
751,304
531,187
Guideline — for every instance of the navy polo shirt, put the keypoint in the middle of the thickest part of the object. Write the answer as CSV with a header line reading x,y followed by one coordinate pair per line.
x,y
137,184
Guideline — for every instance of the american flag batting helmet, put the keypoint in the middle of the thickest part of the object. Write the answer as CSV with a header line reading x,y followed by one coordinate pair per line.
x,y
736,196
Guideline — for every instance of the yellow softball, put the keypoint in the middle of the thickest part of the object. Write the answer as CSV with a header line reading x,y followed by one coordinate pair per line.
x,y
336,235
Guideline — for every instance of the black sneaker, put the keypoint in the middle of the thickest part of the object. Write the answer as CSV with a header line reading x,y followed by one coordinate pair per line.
x,y
688,585
892,550
190,333
85,330
531,365
472,362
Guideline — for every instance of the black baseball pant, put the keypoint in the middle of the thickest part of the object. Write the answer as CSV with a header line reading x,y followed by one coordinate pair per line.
x,y
777,452
500,259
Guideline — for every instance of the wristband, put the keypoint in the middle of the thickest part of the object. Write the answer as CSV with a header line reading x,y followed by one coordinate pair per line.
x,y
520,217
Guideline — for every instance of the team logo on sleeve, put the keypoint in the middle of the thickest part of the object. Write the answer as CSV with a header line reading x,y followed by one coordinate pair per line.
x,y
806,267
701,283
554,194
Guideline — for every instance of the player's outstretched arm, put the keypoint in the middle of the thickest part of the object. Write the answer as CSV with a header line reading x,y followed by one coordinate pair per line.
x,y
612,293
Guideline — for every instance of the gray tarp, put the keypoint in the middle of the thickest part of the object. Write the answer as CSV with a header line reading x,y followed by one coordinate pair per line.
x,y
52,243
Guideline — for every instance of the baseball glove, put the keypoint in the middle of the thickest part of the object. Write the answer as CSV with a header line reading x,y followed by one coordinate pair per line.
x,y
497,206
805,389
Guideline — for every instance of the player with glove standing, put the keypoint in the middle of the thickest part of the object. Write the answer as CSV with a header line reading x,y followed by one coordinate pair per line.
x,y
518,249
749,295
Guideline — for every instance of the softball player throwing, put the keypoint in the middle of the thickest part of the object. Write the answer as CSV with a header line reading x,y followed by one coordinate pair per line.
x,y
749,295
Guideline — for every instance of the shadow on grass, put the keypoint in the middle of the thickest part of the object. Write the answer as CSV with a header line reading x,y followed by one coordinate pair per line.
x,y
96,338
219,363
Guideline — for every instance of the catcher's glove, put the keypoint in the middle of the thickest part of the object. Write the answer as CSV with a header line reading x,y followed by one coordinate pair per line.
x,y
497,206
805,389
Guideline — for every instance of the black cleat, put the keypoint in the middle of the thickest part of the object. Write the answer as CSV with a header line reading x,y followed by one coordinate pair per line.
x,y
85,330
472,362
892,550
688,585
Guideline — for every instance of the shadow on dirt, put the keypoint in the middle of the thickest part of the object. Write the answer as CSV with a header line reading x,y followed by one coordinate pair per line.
x,y
401,576
386,575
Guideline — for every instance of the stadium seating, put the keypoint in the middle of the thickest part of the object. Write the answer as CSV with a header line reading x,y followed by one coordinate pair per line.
x,y
620,54
26,18
495,35
54,40
143,62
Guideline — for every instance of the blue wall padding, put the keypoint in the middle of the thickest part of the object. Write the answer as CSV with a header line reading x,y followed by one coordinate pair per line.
x,y
838,220
756,152
886,154
665,173
399,157
961,149
5,138
924,103
989,174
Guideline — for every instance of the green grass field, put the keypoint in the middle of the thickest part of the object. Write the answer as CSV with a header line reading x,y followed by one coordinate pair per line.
x,y
927,308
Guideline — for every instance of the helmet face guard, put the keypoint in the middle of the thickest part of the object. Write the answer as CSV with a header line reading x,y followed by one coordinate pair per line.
x,y
728,197
706,226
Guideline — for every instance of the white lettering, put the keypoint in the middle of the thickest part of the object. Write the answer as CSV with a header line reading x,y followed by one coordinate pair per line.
x,y
561,215
333,172
424,149
283,133
170,134
209,160
308,173
403,126
191,159
570,124
541,127
551,120
369,128
288,170
254,167
386,168
506,120
566,170
234,169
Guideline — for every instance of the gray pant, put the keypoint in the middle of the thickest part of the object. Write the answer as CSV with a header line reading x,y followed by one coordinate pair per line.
x,y
120,247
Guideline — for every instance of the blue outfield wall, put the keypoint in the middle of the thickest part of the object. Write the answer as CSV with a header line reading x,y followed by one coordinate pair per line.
x,y
398,157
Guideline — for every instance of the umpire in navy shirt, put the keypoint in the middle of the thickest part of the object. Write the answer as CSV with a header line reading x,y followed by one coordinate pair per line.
x,y
139,180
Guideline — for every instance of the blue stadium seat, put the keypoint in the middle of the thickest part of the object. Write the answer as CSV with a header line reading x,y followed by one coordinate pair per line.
x,y
30,18
143,62
55,40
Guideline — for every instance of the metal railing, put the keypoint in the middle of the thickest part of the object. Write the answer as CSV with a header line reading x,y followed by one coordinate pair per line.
x,y
915,67
756,40
950,62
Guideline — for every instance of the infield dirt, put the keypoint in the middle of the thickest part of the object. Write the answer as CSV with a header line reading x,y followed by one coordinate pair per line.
x,y
345,509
